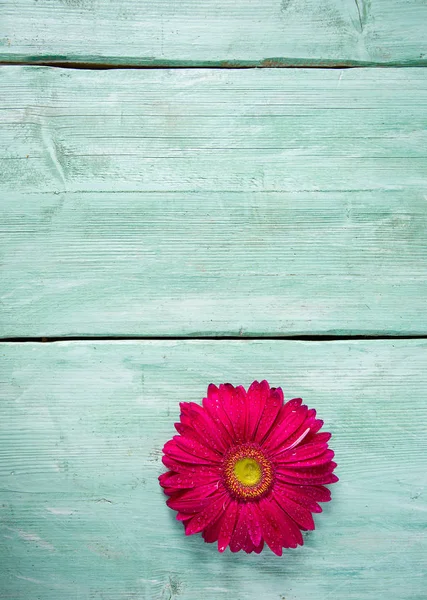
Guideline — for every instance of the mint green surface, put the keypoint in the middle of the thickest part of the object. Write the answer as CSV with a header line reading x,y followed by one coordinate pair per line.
x,y
82,425
213,202
202,201
221,32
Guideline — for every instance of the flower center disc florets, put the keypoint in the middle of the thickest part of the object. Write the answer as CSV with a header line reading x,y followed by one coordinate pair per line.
x,y
247,472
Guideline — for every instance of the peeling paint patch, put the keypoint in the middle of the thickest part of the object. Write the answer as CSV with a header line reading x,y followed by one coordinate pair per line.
x,y
60,511
31,579
32,537
103,551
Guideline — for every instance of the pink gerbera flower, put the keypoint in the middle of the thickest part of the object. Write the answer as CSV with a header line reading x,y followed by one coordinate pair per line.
x,y
247,469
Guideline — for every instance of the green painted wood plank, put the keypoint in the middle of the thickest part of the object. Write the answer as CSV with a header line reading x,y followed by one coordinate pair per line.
x,y
222,33
81,430
252,202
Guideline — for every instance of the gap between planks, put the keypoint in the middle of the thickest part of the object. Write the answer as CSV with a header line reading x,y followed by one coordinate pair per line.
x,y
268,63
213,338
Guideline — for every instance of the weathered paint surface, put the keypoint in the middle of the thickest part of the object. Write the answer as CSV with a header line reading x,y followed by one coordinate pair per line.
x,y
222,32
81,430
186,202
209,202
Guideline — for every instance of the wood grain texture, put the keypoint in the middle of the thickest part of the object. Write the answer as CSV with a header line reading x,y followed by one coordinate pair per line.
x,y
81,430
209,202
222,32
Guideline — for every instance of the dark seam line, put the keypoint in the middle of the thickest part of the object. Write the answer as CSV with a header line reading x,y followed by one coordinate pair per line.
x,y
241,338
215,65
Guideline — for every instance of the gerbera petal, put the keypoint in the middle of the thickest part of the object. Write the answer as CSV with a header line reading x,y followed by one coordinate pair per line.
x,y
201,491
190,506
246,543
303,452
317,425
180,481
170,491
226,392
297,439
248,546
213,392
317,492
318,438
211,533
298,513
194,470
271,534
307,471
167,483
285,412
307,480
239,423
290,530
280,392
269,415
317,461
213,406
240,534
196,448
279,522
189,433
234,403
171,449
164,478
281,433
257,395
294,493
228,523
199,419
185,414
209,514
254,526
184,516
291,405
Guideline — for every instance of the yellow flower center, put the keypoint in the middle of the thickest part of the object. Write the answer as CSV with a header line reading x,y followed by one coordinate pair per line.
x,y
248,471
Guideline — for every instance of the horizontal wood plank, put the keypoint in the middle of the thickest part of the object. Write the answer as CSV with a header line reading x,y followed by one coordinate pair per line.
x,y
81,430
222,33
205,202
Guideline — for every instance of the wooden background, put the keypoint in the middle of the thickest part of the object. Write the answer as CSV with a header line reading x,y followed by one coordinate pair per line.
x,y
184,187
